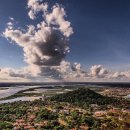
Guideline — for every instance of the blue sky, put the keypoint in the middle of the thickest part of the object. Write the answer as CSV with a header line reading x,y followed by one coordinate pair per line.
x,y
101,32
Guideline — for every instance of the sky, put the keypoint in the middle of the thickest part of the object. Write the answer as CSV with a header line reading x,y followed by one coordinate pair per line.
x,y
95,47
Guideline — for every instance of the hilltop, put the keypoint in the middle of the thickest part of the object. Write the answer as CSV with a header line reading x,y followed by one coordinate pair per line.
x,y
84,96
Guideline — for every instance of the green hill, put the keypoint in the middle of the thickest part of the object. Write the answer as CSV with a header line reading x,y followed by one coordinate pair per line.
x,y
84,96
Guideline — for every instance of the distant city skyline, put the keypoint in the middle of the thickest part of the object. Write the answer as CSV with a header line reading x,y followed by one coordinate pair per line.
x,y
65,40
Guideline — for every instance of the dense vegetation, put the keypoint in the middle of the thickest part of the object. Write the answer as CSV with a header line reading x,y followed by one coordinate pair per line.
x,y
84,96
68,111
43,115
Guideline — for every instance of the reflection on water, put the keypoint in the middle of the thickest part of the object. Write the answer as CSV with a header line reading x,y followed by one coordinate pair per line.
x,y
41,90
20,99
12,90
32,92
45,89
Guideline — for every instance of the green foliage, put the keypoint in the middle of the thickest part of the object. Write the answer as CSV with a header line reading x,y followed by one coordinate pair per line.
x,y
5,125
62,113
53,125
44,114
83,97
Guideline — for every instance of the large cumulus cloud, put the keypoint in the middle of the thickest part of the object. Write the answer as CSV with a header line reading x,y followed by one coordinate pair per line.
x,y
45,46
42,47
47,43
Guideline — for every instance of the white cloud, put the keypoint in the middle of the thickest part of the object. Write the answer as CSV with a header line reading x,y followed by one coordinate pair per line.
x,y
35,6
9,74
10,24
45,47
98,71
11,18
55,17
